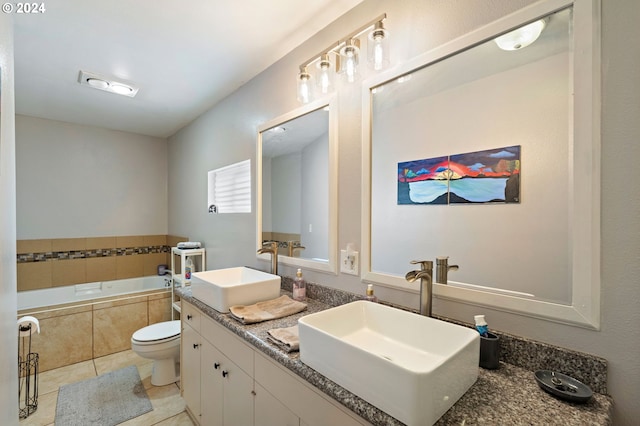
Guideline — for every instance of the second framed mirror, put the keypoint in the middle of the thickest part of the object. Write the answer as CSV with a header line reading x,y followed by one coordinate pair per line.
x,y
297,186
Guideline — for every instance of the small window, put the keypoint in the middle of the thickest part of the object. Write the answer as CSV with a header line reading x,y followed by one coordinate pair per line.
x,y
230,188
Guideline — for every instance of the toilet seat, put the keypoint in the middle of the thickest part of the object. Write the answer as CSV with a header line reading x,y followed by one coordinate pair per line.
x,y
157,333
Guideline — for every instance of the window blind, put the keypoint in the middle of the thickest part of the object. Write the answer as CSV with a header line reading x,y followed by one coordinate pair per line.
x,y
230,188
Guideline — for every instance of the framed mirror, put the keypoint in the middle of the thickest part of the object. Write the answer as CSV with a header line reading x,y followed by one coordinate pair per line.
x,y
297,186
488,153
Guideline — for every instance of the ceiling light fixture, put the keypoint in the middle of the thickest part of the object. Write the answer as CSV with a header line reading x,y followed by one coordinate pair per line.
x,y
521,37
107,84
346,52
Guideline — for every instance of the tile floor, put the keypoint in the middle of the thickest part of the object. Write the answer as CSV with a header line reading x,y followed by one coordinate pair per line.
x,y
168,406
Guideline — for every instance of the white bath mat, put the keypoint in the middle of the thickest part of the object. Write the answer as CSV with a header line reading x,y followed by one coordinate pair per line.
x,y
106,400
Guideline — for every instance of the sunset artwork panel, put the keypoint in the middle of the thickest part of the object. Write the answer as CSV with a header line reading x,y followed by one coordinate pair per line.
x,y
489,176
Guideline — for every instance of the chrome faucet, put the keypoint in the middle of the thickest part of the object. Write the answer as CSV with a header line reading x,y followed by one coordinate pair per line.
x,y
271,247
426,284
443,268
294,245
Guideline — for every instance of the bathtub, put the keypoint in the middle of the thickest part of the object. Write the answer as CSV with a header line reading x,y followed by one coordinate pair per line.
x,y
90,291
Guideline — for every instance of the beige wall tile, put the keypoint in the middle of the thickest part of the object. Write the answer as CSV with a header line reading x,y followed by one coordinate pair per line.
x,y
68,272
56,311
101,269
159,310
63,340
113,327
151,262
101,243
68,244
34,275
173,240
130,241
160,295
120,301
129,266
155,240
33,246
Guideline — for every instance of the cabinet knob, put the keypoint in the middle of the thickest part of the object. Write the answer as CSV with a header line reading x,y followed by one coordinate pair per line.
x,y
225,373
216,365
195,345
189,317
253,393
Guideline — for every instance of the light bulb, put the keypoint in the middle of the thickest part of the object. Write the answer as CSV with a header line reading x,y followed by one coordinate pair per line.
x,y
378,47
304,86
349,56
350,67
324,78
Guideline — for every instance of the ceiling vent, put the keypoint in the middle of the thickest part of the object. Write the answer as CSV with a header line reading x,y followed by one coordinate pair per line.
x,y
107,84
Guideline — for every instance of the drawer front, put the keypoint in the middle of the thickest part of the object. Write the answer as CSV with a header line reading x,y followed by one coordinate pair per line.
x,y
189,314
228,343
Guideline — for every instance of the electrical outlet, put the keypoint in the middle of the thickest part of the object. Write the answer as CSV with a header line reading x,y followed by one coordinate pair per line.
x,y
349,262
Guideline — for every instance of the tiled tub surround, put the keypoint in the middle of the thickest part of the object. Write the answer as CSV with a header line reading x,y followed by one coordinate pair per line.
x,y
72,333
508,395
45,263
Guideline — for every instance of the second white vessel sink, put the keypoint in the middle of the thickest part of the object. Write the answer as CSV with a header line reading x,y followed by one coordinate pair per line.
x,y
223,288
410,366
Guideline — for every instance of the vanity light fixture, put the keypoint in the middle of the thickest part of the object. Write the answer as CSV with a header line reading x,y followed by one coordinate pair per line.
x,y
107,84
349,55
346,53
521,37
305,89
378,47
324,80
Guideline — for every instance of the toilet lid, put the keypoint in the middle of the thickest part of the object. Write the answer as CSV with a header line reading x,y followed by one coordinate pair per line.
x,y
158,331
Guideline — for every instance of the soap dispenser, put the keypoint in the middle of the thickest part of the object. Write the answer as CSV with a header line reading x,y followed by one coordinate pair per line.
x,y
299,286
370,296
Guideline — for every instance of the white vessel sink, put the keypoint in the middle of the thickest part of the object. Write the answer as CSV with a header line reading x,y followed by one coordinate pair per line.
x,y
223,288
409,366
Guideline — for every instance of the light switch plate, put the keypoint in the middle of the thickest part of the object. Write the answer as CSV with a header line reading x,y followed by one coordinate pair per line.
x,y
349,263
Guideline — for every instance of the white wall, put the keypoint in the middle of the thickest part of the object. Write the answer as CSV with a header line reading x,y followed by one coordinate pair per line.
x,y
79,181
227,134
315,199
286,193
8,299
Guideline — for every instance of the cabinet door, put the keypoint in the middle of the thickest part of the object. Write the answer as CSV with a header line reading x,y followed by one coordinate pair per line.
x,y
269,411
212,385
238,395
190,368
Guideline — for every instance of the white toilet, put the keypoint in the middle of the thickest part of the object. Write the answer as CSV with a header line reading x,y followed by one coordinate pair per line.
x,y
161,343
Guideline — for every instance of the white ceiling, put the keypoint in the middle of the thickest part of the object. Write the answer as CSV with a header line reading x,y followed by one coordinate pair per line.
x,y
184,56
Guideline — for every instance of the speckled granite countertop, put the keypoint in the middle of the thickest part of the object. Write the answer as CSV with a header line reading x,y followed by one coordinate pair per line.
x,y
508,395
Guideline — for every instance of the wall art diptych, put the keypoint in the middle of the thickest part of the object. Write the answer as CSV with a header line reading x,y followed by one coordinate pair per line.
x,y
489,176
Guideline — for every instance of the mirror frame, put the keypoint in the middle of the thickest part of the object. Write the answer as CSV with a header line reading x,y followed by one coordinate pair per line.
x,y
332,264
584,205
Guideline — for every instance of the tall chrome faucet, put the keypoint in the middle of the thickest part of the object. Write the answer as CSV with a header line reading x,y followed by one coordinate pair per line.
x,y
443,268
271,247
426,284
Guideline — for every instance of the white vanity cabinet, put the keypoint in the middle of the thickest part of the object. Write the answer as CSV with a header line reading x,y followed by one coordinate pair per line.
x,y
216,390
301,398
226,382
